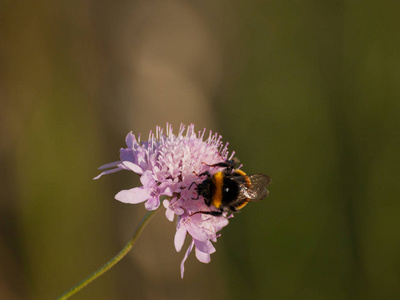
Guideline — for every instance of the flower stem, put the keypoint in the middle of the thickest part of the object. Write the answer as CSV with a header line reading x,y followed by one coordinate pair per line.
x,y
139,228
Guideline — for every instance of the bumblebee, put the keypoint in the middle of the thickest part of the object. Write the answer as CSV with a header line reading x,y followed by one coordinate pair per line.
x,y
230,189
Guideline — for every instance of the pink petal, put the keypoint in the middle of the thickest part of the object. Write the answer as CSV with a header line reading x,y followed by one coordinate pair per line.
x,y
107,172
178,211
166,203
169,214
126,155
153,203
130,138
206,247
185,257
133,167
167,192
179,239
135,195
203,257
147,179
109,165
197,232
220,222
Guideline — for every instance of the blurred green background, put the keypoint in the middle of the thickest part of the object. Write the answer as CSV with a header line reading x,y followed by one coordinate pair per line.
x,y
307,92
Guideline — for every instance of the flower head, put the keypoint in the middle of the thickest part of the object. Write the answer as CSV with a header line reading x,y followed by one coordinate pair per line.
x,y
167,165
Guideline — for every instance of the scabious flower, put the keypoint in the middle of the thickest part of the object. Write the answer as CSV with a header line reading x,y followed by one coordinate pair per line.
x,y
167,165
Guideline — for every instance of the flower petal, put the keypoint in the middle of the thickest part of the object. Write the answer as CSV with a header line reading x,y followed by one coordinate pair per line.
x,y
109,165
178,211
107,172
179,239
203,257
147,179
206,247
135,195
126,155
197,232
169,214
185,257
166,203
130,138
134,167
153,203
167,192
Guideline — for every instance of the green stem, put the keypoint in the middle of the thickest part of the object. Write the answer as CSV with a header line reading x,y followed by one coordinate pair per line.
x,y
145,220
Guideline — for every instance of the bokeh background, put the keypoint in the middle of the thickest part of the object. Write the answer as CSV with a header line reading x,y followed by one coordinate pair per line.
x,y
307,92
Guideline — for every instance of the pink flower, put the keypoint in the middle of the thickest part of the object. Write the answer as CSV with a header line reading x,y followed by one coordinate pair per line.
x,y
167,165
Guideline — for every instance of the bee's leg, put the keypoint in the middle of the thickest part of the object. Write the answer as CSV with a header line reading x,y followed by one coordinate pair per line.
x,y
202,174
228,164
192,184
233,209
213,213
221,164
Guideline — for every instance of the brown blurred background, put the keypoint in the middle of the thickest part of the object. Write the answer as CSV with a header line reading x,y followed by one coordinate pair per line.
x,y
305,91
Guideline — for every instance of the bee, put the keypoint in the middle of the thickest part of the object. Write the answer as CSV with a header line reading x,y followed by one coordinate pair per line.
x,y
230,189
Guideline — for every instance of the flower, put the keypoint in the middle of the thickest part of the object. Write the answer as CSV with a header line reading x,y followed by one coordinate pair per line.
x,y
167,165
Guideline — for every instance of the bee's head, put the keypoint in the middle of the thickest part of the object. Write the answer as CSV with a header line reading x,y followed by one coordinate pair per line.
x,y
204,189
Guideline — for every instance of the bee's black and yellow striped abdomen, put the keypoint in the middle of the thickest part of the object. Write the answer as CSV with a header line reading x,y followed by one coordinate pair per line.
x,y
226,189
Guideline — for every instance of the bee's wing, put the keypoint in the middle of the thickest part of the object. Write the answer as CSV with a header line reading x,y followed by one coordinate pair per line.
x,y
258,189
